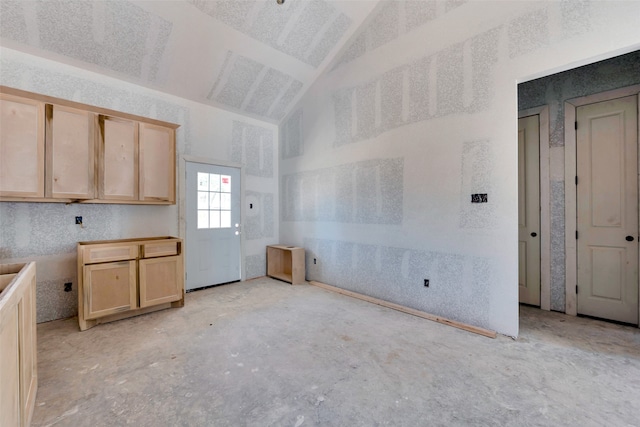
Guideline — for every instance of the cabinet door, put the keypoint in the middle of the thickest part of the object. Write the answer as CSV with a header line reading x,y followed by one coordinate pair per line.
x,y
161,280
21,147
118,172
70,153
109,288
157,163
28,352
9,368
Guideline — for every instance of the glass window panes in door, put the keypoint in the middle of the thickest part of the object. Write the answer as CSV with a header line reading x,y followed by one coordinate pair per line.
x,y
214,200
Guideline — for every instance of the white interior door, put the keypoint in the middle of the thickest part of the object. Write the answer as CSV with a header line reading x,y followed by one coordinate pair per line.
x,y
607,198
213,225
529,209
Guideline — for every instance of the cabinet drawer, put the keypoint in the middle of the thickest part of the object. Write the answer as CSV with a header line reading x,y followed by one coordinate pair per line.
x,y
95,254
160,248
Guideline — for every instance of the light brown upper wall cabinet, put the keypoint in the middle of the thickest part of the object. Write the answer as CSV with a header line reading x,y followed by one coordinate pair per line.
x,y
52,150
118,159
21,147
157,154
70,148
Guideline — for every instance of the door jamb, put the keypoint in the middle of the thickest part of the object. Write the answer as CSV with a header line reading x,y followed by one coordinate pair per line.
x,y
545,213
570,190
182,208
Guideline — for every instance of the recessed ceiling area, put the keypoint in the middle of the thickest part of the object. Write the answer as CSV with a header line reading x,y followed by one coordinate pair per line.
x,y
253,57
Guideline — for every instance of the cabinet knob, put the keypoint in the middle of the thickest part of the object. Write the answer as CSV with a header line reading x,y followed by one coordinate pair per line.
x,y
629,238
534,234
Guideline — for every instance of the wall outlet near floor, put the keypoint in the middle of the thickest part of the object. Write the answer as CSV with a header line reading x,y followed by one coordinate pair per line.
x,y
314,261
426,283
79,220
68,287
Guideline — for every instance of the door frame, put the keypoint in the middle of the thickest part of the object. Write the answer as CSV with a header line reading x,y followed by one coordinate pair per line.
x,y
182,208
570,189
545,211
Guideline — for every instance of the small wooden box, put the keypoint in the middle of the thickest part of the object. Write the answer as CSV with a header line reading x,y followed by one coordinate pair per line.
x,y
286,263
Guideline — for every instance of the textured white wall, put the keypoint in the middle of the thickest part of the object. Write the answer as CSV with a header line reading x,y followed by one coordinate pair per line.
x,y
46,232
381,156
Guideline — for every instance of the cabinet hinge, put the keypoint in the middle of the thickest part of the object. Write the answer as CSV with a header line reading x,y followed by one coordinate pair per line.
x,y
576,125
576,179
576,289
576,234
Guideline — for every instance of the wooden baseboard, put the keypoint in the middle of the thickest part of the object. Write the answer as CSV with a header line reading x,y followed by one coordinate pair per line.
x,y
413,312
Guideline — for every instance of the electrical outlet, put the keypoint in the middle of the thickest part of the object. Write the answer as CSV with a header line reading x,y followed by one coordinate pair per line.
x,y
426,283
79,220
314,261
68,287
479,198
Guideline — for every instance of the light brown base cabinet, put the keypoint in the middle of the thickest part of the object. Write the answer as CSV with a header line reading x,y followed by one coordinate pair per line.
x,y
123,278
286,263
18,350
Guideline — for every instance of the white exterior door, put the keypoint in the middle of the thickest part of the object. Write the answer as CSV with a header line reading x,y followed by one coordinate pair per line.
x,y
607,198
529,209
213,225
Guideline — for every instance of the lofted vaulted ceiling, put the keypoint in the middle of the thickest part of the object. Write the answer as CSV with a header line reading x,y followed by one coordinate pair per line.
x,y
249,56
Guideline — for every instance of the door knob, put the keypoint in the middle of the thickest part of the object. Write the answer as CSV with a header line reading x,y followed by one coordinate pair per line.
x,y
629,238
534,234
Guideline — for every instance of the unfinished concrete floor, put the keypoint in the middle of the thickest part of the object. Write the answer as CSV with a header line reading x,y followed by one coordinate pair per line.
x,y
264,353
